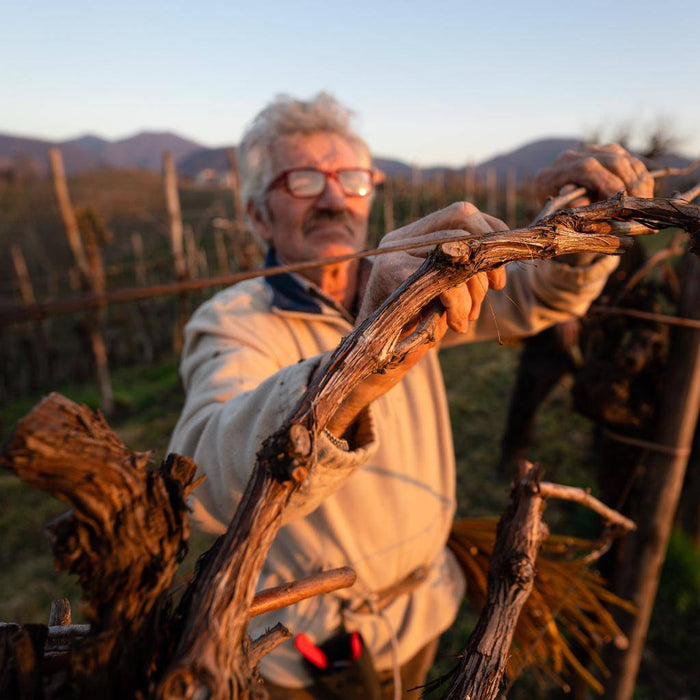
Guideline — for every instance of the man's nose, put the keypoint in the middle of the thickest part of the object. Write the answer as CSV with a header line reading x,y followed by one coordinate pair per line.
x,y
332,196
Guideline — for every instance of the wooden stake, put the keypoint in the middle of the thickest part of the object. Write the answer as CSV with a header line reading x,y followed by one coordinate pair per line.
x,y
139,262
643,554
492,192
203,263
25,283
91,274
172,201
60,615
440,189
74,279
141,279
238,208
415,192
511,197
191,253
70,222
40,357
388,191
221,251
469,184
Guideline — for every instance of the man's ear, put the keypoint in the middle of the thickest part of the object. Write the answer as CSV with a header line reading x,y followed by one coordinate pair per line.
x,y
260,221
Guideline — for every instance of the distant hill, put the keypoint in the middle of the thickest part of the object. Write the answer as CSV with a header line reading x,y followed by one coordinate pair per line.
x,y
75,158
145,151
202,159
530,158
526,160
393,168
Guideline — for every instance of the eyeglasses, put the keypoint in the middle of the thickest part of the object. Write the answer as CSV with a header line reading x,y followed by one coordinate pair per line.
x,y
310,182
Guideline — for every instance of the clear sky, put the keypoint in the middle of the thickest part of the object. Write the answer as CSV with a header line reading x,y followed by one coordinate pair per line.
x,y
431,81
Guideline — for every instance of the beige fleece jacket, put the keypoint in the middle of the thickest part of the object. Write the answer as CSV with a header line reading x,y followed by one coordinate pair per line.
x,y
384,507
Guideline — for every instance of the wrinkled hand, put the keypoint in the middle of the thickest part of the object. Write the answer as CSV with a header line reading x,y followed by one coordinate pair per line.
x,y
462,304
602,170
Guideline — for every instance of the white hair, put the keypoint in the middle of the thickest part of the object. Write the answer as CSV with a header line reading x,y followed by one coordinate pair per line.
x,y
287,116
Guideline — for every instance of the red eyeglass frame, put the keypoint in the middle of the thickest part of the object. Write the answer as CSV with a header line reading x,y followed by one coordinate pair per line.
x,y
282,177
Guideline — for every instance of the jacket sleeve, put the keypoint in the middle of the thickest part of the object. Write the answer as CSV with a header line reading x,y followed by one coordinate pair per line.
x,y
537,295
237,394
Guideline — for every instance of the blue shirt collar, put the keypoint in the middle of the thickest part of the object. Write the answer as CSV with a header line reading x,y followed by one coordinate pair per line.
x,y
289,294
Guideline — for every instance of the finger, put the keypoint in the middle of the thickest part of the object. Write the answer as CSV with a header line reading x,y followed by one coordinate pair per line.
x,y
643,185
497,277
477,286
595,177
606,148
458,303
452,217
425,331
586,172
629,169
579,201
494,223
460,216
620,164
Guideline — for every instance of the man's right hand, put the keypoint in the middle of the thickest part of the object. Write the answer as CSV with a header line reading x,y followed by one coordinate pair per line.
x,y
462,303
602,170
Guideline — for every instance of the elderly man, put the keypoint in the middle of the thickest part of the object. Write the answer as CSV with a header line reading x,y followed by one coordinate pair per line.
x,y
381,497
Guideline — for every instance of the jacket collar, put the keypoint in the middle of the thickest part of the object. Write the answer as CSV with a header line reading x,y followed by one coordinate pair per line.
x,y
291,292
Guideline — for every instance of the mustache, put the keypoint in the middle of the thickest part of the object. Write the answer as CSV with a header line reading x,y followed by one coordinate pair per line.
x,y
321,217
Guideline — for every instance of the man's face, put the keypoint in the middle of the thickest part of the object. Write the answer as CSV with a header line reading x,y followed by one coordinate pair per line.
x,y
320,227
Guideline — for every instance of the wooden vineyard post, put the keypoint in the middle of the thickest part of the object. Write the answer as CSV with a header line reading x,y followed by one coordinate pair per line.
x,y
191,253
643,554
70,222
469,184
690,512
238,209
415,192
139,262
221,252
439,185
91,274
203,263
246,250
26,290
388,192
141,280
511,198
172,201
492,192
24,281
74,279
96,318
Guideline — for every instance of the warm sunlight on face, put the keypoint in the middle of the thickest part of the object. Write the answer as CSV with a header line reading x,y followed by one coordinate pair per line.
x,y
329,224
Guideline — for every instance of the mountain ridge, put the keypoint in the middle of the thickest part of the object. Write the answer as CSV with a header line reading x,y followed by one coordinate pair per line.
x,y
144,150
